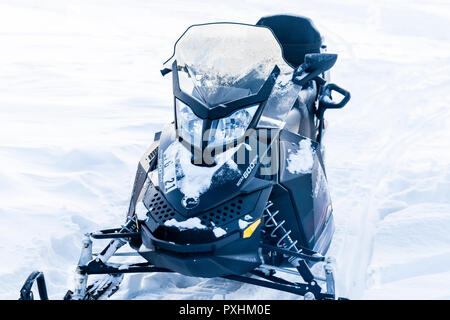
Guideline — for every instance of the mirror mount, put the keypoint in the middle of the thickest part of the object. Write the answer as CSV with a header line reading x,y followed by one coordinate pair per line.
x,y
314,65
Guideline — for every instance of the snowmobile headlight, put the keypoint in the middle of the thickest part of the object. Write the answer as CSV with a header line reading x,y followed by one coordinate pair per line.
x,y
226,130
190,127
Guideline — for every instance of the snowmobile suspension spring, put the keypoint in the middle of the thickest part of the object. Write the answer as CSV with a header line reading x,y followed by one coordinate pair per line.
x,y
279,231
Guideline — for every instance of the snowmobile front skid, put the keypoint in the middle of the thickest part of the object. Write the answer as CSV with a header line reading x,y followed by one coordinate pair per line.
x,y
97,264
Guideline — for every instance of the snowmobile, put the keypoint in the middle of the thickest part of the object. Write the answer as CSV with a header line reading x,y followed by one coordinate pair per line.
x,y
235,187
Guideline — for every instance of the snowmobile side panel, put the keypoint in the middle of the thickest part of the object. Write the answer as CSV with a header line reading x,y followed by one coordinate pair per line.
x,y
323,242
301,173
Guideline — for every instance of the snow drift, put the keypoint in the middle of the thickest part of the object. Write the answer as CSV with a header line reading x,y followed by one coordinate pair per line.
x,y
81,97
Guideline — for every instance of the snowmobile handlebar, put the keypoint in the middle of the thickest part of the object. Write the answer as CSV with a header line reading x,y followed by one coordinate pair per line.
x,y
326,101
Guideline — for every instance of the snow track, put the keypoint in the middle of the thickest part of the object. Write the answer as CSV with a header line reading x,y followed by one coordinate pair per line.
x,y
81,97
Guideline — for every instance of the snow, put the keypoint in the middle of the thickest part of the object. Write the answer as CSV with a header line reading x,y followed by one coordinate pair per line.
x,y
81,97
196,180
191,223
218,232
141,210
302,160
243,224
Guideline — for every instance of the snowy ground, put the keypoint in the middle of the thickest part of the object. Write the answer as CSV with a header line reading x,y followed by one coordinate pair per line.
x,y
81,96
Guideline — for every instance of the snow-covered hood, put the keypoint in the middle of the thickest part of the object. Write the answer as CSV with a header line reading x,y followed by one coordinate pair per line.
x,y
188,186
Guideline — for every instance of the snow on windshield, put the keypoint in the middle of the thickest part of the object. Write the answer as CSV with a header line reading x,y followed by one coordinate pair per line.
x,y
222,62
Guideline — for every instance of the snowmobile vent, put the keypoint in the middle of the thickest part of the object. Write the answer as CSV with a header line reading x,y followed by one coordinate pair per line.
x,y
223,214
157,205
161,210
297,36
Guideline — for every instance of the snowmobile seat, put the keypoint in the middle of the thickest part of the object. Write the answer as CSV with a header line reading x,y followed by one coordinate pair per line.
x,y
297,36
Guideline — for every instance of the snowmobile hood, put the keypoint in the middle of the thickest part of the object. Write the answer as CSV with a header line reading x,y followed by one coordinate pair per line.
x,y
191,180
190,188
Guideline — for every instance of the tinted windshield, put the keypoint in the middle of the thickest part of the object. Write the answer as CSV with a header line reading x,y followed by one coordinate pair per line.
x,y
221,62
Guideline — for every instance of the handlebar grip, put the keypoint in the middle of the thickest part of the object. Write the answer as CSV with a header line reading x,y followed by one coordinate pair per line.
x,y
331,104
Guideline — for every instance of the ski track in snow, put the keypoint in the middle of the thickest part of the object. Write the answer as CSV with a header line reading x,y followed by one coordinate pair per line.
x,y
81,97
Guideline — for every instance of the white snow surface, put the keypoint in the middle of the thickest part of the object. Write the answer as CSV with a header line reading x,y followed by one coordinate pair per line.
x,y
81,97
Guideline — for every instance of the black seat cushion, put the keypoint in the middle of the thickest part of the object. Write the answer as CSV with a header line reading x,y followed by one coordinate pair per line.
x,y
297,36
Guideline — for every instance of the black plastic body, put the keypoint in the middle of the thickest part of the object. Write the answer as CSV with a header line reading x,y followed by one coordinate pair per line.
x,y
302,199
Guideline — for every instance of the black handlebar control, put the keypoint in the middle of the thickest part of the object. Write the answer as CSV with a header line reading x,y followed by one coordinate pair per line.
x,y
326,102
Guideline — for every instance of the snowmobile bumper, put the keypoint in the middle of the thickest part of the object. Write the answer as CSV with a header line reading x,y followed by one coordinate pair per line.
x,y
202,252
230,255
203,260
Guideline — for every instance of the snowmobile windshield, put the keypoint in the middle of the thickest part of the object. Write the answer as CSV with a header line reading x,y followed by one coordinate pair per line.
x,y
221,62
